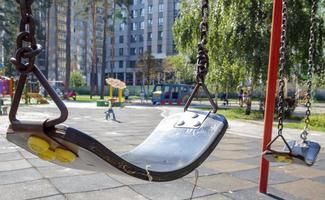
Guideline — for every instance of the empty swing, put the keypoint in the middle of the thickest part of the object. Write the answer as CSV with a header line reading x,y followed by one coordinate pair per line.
x,y
178,145
299,152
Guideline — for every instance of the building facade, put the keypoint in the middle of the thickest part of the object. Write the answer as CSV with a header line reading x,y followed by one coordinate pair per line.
x,y
145,26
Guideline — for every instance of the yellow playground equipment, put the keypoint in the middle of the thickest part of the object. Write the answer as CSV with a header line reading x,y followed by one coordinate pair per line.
x,y
120,85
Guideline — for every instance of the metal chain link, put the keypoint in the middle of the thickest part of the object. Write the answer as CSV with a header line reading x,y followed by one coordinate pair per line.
x,y
283,49
311,67
24,59
202,57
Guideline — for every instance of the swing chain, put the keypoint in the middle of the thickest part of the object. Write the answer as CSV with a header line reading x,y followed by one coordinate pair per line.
x,y
203,60
311,67
24,59
283,49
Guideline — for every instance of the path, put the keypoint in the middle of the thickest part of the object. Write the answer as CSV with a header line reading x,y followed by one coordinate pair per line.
x,y
231,172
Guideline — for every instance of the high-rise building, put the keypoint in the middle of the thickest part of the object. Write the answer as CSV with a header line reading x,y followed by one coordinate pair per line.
x,y
145,26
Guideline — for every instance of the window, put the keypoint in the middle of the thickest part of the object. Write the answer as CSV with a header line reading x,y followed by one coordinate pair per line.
x,y
133,51
121,39
159,48
122,26
142,25
149,49
141,50
140,38
120,64
160,35
132,64
121,52
161,7
134,26
133,38
141,12
149,22
149,36
160,21
150,9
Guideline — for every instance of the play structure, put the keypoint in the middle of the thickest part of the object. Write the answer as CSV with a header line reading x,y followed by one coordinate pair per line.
x,y
181,142
171,94
120,86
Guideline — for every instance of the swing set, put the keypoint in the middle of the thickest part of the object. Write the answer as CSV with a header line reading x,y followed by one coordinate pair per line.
x,y
180,143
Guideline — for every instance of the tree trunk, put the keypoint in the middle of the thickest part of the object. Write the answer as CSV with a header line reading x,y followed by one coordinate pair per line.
x,y
68,48
56,70
94,50
102,93
113,39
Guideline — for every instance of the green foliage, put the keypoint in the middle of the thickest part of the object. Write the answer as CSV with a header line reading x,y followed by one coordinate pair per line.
x,y
317,120
239,35
77,80
184,72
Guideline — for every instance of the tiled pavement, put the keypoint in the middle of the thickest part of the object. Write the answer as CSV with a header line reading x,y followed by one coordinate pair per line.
x,y
231,172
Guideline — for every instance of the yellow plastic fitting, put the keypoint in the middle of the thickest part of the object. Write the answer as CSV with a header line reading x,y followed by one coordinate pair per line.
x,y
38,145
65,156
48,155
285,159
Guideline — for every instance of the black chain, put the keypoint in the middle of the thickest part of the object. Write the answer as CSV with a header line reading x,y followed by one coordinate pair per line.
x,y
24,59
202,57
311,67
281,101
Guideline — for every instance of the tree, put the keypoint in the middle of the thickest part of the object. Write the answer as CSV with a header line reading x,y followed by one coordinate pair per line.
x,y
148,65
239,35
68,47
77,80
182,70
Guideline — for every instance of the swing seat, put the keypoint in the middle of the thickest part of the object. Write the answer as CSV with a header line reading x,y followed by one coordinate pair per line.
x,y
179,144
304,153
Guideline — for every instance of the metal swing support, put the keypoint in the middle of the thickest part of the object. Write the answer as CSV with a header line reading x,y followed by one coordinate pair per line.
x,y
271,90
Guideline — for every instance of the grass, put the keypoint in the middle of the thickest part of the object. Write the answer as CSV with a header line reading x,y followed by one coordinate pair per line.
x,y
317,122
86,98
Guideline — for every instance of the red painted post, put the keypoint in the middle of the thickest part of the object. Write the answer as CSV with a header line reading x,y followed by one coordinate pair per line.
x,y
271,89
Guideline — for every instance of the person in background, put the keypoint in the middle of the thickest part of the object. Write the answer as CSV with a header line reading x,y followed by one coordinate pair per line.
x,y
110,111
241,97
142,95
126,95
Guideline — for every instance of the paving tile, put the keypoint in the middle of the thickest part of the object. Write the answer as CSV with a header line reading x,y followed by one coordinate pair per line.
x,y
54,197
57,171
123,193
233,147
213,197
14,165
127,180
281,195
231,155
36,162
84,183
204,172
170,190
17,176
249,194
227,166
300,171
275,177
26,154
320,179
10,156
305,188
28,190
223,183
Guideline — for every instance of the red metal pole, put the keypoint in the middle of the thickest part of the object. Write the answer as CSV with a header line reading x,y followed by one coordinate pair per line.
x,y
271,89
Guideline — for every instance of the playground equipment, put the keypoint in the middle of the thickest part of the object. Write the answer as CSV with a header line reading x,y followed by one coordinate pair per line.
x,y
171,93
120,86
176,147
304,152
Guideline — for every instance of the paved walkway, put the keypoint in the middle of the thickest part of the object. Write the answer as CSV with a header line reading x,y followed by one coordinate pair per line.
x,y
231,172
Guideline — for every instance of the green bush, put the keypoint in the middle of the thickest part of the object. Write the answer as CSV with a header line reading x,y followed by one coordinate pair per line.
x,y
317,120
77,80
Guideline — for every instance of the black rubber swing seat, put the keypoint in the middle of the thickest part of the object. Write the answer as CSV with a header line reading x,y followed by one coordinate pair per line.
x,y
179,144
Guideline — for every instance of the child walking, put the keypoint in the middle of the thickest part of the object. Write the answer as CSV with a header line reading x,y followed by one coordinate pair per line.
x,y
110,111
